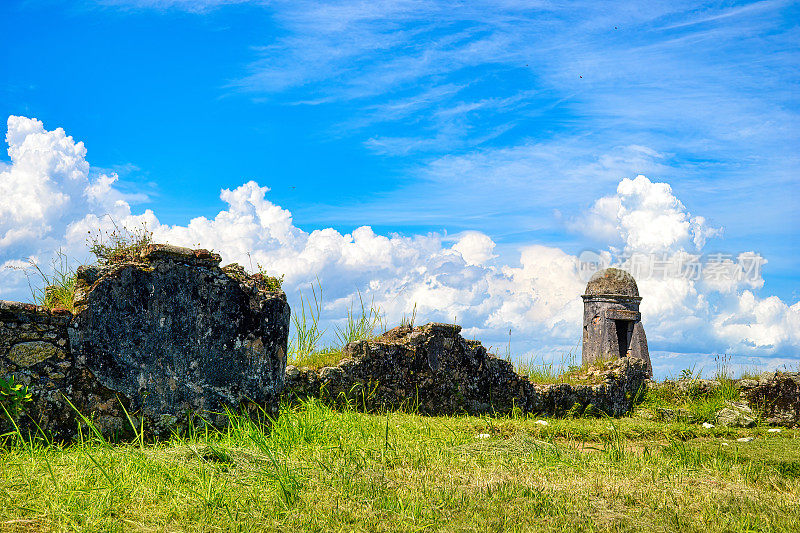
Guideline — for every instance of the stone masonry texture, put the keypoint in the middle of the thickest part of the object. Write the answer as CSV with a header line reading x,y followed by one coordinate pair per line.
x,y
776,395
170,336
432,370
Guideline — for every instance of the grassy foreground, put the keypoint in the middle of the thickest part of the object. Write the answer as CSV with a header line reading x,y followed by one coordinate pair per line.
x,y
323,470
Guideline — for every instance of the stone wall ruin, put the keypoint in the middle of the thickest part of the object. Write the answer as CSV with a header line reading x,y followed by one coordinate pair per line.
x,y
433,370
168,336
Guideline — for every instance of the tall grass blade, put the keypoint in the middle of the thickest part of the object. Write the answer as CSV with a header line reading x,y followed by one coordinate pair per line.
x,y
359,326
307,331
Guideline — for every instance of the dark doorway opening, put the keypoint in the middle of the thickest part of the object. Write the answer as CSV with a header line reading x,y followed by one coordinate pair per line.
x,y
623,336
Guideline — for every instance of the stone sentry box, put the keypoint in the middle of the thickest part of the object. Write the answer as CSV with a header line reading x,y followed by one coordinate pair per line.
x,y
612,324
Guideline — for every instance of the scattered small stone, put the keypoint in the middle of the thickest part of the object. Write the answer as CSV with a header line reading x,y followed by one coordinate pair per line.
x,y
707,425
725,444
542,423
744,439
774,430
482,436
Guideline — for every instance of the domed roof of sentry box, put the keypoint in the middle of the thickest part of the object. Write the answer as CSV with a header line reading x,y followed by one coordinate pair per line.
x,y
612,281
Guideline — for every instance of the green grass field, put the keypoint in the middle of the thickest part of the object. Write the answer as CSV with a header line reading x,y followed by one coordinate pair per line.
x,y
318,469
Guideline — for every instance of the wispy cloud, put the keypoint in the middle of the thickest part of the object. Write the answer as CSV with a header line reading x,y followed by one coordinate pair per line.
x,y
703,80
193,6
506,191
723,14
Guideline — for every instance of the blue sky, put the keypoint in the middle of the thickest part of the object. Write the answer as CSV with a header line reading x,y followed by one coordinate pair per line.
x,y
506,118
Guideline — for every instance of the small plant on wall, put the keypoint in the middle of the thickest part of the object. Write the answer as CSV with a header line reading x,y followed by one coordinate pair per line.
x,y
119,245
54,289
13,397
271,283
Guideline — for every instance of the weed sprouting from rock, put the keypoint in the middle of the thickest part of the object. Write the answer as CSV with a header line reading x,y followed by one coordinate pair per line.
x,y
13,397
564,371
55,288
272,283
360,324
408,321
119,245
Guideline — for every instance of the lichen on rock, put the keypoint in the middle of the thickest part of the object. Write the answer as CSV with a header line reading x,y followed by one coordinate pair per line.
x,y
167,334
174,333
25,354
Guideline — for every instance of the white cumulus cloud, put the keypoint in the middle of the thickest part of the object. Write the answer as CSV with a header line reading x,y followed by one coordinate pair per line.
x,y
645,217
475,247
46,185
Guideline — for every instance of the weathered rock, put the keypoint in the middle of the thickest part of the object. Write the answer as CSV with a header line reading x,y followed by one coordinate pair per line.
x,y
431,369
736,415
169,336
776,395
25,354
